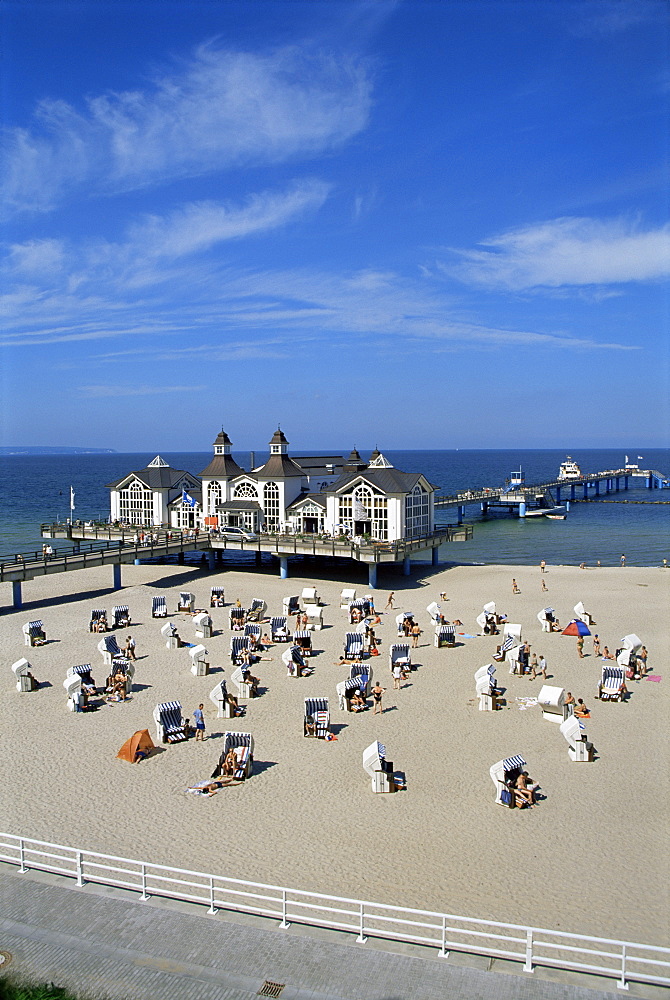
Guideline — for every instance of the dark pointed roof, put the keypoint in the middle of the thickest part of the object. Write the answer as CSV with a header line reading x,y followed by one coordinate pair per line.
x,y
155,477
387,480
279,467
278,437
222,467
354,463
222,439
375,454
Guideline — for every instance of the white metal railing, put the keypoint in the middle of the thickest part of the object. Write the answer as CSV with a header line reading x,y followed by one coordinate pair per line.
x,y
533,946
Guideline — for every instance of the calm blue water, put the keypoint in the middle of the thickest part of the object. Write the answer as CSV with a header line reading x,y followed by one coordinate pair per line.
x,y
37,488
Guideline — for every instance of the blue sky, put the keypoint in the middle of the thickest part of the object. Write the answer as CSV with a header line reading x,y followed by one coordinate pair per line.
x,y
420,224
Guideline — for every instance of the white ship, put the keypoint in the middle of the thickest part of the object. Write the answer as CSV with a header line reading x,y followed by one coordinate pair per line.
x,y
569,470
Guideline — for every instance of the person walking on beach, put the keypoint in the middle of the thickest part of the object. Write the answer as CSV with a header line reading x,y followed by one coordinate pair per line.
x,y
580,647
515,587
377,693
623,559
596,645
543,587
389,603
129,649
199,717
416,633
542,565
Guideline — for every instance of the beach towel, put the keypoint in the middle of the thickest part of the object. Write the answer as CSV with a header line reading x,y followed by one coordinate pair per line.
x,y
654,677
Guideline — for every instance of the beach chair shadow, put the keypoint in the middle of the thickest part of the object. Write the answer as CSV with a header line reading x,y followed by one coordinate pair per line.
x,y
141,687
337,727
264,765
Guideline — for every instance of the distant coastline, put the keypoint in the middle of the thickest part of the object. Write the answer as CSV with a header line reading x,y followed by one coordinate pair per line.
x,y
37,450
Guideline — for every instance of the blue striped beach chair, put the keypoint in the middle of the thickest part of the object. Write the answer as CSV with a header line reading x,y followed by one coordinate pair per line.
x,y
109,648
378,768
613,683
445,635
399,654
98,622
169,722
217,597
237,644
256,612
345,690
353,646
503,775
158,607
186,601
316,721
303,639
253,630
236,618
243,745
121,616
361,673
291,606
34,633
278,629
359,608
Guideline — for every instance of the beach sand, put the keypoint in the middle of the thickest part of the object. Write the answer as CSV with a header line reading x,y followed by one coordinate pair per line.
x,y
590,858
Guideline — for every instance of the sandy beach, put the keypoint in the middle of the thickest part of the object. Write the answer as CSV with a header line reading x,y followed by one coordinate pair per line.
x,y
591,857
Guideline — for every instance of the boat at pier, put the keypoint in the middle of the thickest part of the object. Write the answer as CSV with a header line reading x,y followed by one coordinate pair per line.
x,y
569,470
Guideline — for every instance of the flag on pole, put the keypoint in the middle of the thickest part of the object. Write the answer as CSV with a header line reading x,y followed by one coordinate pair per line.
x,y
188,499
71,498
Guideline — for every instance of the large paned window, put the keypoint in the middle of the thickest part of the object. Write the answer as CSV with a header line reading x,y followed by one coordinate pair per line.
x,y
214,496
136,504
271,505
417,512
367,509
246,491
186,516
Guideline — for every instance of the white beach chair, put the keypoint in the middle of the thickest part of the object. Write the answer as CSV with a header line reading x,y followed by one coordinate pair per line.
x,y
511,645
169,633
186,602
243,745
120,665
294,660
256,613
582,614
399,654
579,748
219,697
435,613
34,634
309,596
445,635
488,619
199,661
24,678
546,618
239,679
291,606
314,617
345,687
486,689
626,657
75,697
158,607
503,775
347,596
613,683
552,702
109,648
378,768
203,625
316,710
169,722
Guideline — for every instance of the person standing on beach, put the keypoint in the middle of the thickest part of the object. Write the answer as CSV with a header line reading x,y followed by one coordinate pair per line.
x,y
623,559
389,603
199,718
580,647
416,633
542,565
377,693
543,587
515,587
130,648
596,645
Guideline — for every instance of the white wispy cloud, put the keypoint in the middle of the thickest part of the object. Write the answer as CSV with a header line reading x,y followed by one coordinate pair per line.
x,y
218,109
566,252
112,391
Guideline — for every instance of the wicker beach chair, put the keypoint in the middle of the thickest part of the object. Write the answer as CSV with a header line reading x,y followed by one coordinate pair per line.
x,y
353,646
445,635
217,597
158,607
186,602
256,613
503,775
316,710
98,622
109,648
278,629
121,616
169,722
613,683
34,633
378,768
243,745
579,748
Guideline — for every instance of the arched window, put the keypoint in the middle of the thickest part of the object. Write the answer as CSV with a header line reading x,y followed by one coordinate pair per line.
x,y
417,512
214,496
246,490
271,505
136,504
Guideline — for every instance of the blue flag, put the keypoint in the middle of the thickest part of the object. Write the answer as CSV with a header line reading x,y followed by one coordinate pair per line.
x,y
187,498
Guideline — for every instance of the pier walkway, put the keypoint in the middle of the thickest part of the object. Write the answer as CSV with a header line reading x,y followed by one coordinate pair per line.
x,y
107,546
521,495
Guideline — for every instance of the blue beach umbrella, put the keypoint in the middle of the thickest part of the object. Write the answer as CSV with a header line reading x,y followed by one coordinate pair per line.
x,y
576,627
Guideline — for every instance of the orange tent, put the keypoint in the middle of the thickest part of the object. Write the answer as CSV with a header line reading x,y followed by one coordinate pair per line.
x,y
138,742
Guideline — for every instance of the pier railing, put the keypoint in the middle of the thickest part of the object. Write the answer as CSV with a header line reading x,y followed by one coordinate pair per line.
x,y
622,961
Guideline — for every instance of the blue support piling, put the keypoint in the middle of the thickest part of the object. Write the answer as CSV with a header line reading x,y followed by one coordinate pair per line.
x,y
597,487
522,509
625,482
485,508
211,560
17,598
406,566
461,513
283,567
567,505
558,494
435,557
586,490
372,576
572,491
650,483
116,578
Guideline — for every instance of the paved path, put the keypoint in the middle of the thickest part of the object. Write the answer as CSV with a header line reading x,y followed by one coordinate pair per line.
x,y
107,944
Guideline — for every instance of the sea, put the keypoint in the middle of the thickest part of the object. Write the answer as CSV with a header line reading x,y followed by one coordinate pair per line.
x,y
36,489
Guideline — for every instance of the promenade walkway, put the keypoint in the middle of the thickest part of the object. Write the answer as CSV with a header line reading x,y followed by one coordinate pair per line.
x,y
105,944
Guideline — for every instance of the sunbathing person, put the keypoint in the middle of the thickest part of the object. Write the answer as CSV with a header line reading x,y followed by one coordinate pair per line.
x,y
357,702
580,709
607,655
230,763
211,788
523,791
234,704
250,679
